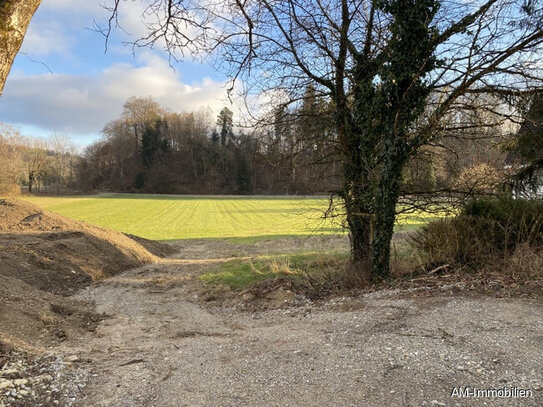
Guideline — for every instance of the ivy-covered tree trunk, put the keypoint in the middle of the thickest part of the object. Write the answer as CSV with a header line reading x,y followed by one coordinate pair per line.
x,y
388,98
371,196
15,15
360,228
385,214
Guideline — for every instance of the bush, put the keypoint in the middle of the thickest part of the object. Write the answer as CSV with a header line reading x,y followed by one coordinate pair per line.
x,y
485,229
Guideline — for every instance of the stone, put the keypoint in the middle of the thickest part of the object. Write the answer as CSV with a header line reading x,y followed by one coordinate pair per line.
x,y
6,385
47,378
11,373
72,358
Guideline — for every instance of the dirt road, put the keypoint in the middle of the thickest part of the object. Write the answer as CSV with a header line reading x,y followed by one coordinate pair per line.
x,y
161,347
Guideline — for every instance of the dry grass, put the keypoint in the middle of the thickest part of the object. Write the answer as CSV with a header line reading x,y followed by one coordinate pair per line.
x,y
46,316
524,265
280,266
484,232
492,246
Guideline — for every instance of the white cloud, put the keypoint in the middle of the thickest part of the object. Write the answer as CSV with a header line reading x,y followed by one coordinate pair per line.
x,y
57,24
78,6
76,104
46,38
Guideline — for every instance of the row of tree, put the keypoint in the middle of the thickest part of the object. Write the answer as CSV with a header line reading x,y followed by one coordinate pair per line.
x,y
294,151
35,164
149,149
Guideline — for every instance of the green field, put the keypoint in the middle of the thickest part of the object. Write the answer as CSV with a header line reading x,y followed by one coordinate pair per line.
x,y
174,217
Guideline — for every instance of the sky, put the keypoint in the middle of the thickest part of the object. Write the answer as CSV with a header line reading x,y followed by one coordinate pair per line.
x,y
63,82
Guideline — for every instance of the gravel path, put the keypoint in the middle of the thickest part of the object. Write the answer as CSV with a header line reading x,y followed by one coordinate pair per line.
x,y
160,347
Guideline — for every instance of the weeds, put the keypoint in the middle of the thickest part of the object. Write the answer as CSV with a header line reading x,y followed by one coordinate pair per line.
x,y
46,315
313,274
487,232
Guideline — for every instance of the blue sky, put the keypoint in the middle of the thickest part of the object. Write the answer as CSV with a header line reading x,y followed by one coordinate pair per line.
x,y
63,82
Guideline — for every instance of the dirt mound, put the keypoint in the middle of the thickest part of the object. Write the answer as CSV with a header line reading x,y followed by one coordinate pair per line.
x,y
45,258
20,216
154,247
31,238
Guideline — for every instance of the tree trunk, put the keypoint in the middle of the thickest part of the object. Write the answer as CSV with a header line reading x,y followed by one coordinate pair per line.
x,y
370,193
30,181
15,15
360,238
383,225
358,212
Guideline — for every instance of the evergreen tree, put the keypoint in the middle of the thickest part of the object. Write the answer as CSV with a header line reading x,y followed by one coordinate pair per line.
x,y
530,146
152,140
225,124
243,175
215,137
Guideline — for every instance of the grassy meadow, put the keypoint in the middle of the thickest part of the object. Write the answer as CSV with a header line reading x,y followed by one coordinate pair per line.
x,y
239,219
176,217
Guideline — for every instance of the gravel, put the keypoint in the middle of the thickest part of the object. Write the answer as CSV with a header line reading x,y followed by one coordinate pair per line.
x,y
47,380
380,349
161,346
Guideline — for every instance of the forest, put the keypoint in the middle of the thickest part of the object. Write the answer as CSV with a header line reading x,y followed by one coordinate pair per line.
x,y
149,149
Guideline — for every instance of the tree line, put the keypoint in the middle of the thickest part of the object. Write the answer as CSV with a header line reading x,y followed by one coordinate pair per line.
x,y
37,165
294,150
149,149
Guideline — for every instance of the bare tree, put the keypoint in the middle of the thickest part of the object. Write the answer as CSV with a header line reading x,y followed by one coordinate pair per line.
x,y
394,70
15,15
63,149
35,157
11,159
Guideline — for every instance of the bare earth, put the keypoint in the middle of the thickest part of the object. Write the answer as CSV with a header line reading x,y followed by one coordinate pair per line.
x,y
162,347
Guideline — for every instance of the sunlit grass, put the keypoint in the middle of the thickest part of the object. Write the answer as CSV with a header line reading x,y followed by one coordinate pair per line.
x,y
242,274
171,217
176,217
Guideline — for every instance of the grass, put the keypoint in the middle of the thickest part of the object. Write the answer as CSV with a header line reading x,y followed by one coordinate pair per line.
x,y
242,274
241,220
175,217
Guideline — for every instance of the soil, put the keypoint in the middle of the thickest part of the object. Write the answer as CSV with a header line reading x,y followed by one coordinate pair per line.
x,y
44,259
152,335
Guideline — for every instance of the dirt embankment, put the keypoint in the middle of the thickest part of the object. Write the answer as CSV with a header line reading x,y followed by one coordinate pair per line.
x,y
44,259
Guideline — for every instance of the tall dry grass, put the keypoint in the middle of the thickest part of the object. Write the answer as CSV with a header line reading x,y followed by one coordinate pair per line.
x,y
487,231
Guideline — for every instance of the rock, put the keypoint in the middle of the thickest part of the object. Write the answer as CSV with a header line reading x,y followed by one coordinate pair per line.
x,y
6,385
72,358
248,296
46,378
21,382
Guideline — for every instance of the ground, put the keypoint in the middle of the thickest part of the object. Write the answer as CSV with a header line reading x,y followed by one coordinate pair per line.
x,y
158,338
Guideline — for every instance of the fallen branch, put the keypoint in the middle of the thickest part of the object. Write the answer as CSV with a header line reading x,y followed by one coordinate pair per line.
x,y
439,268
131,362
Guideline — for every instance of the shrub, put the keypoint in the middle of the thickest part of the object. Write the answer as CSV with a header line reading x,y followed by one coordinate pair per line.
x,y
485,229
